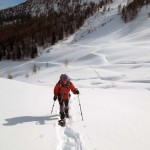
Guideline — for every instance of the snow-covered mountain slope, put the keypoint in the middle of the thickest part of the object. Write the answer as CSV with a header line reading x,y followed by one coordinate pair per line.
x,y
35,7
118,50
25,121
113,119
108,61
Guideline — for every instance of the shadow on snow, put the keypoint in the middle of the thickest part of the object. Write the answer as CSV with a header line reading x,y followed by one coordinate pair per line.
x,y
23,119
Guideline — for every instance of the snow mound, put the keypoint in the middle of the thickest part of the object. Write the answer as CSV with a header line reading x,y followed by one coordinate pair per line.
x,y
91,59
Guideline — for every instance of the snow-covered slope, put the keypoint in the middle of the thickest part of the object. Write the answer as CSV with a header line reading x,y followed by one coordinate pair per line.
x,y
25,122
109,62
113,119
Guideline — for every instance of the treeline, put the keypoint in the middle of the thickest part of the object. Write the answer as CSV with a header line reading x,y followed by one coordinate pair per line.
x,y
21,34
131,10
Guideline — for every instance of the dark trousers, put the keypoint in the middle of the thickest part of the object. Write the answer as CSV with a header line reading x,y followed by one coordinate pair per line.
x,y
64,107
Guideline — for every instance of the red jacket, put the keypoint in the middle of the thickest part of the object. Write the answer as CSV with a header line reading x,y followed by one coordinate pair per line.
x,y
62,91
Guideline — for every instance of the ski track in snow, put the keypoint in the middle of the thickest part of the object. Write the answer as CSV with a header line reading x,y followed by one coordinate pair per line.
x,y
68,138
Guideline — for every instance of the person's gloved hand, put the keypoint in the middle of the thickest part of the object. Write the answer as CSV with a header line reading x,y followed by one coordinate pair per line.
x,y
77,91
54,98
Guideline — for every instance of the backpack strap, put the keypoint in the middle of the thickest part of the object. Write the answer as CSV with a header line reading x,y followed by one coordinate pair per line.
x,y
60,85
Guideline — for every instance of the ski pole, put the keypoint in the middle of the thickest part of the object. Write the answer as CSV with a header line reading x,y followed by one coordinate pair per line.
x,y
52,107
80,107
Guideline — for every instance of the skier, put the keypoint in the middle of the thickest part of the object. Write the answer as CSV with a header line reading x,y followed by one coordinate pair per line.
x,y
61,91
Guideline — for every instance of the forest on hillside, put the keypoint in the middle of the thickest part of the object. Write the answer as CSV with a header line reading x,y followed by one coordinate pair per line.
x,y
131,10
21,33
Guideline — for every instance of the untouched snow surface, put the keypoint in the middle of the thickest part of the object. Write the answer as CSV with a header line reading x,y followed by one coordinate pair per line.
x,y
109,62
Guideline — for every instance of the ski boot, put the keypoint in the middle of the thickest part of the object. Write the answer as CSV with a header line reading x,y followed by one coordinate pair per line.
x,y
62,122
67,115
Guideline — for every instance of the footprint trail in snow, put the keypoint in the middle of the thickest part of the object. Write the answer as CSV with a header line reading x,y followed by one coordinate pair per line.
x,y
69,139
